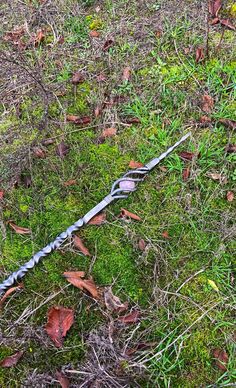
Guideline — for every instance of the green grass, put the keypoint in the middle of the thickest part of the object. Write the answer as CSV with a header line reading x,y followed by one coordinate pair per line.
x,y
181,312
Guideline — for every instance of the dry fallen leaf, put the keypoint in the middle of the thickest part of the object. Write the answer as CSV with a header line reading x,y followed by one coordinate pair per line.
x,y
75,278
142,245
112,302
98,220
126,74
63,380
132,120
214,7
94,34
230,196
1,194
205,120
187,155
217,177
11,360
165,234
108,44
60,320
214,21
140,346
97,111
228,123
18,229
70,182
109,132
39,38
185,174
207,103
230,148
78,243
133,164
101,77
221,357
227,23
132,317
9,292
39,152
199,54
62,149
78,120
77,78
126,214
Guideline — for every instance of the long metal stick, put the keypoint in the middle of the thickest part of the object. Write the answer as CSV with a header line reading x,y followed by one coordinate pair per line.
x,y
120,189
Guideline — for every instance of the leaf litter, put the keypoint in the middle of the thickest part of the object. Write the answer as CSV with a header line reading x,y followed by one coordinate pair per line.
x,y
60,320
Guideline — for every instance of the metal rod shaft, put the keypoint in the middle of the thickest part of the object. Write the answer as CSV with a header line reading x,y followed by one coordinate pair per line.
x,y
117,192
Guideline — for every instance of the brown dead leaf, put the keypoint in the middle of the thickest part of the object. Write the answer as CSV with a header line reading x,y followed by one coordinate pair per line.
x,y
14,35
127,214
185,174
94,34
163,168
187,155
1,194
228,123
62,379
221,357
47,142
205,120
11,360
199,55
165,234
140,346
80,245
132,317
112,302
109,132
75,278
133,164
9,292
39,153
108,44
214,21
18,229
101,77
230,196
142,245
98,219
227,23
62,149
77,78
230,148
70,182
60,320
97,111
132,120
214,7
39,38
207,103
126,74
78,120
217,177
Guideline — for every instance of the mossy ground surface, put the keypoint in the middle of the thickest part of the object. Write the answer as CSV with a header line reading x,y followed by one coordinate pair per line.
x,y
169,282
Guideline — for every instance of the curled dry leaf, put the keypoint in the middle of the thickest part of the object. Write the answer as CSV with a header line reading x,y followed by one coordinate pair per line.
x,y
78,243
112,302
98,220
133,164
109,132
214,21
75,278
228,123
60,320
217,177
207,103
142,245
11,360
185,174
77,78
18,229
187,155
94,34
1,194
230,148
132,120
70,182
127,214
221,357
132,317
39,38
62,149
199,54
165,234
230,196
9,292
227,23
108,44
62,379
126,74
78,120
214,7
39,153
